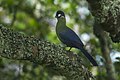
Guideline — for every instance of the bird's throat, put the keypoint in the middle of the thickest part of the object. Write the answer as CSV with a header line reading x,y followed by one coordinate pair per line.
x,y
61,23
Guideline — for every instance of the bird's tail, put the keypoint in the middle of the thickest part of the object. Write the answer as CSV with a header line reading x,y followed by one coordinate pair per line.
x,y
88,56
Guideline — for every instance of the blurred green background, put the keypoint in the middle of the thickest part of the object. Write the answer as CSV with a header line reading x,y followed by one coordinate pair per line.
x,y
36,18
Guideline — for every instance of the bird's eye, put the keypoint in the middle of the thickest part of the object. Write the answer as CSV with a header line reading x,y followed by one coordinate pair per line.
x,y
59,15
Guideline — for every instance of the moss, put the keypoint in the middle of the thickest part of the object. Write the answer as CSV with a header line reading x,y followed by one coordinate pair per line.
x,y
14,45
106,13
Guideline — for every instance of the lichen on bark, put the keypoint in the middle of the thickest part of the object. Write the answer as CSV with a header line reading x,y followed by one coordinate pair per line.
x,y
107,14
14,45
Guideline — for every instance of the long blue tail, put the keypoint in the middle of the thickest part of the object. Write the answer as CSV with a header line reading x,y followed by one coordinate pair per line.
x,y
90,58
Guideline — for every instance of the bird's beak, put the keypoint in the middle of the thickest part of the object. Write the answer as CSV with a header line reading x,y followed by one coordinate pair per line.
x,y
55,16
62,17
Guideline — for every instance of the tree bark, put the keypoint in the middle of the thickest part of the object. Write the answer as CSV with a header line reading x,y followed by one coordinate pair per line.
x,y
14,45
107,14
104,43
107,18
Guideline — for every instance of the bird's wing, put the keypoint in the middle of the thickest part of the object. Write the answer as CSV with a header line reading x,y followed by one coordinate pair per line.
x,y
70,38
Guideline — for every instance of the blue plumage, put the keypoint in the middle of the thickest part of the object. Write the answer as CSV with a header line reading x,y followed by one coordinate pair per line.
x,y
69,37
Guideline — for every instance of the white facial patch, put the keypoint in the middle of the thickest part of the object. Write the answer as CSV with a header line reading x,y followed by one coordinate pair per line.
x,y
59,15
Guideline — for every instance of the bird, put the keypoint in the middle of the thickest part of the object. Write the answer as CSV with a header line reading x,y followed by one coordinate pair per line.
x,y
68,37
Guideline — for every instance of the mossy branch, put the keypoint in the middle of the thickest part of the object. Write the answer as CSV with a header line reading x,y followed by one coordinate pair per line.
x,y
107,14
14,45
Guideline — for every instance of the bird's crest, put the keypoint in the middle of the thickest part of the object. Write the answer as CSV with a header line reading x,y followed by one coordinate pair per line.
x,y
60,14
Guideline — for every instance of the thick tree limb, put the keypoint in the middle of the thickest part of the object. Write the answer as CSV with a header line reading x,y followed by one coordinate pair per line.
x,y
107,18
107,14
14,45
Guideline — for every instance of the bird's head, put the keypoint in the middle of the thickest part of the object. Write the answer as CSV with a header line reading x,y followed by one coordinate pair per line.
x,y
60,14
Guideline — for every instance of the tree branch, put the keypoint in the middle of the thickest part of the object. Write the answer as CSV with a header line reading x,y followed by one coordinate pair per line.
x,y
14,45
104,43
107,14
